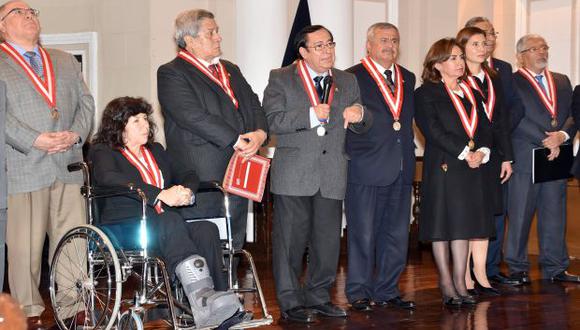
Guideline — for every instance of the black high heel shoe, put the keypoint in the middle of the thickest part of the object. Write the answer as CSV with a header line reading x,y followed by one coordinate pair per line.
x,y
468,300
452,301
490,292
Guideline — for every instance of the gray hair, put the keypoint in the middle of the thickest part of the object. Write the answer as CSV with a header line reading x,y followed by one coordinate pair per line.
x,y
187,24
380,26
521,44
476,20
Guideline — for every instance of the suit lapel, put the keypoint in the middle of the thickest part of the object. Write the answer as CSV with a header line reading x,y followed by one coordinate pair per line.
x,y
21,73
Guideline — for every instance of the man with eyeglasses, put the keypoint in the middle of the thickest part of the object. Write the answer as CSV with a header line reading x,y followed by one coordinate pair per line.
x,y
309,106
49,114
547,97
512,105
380,173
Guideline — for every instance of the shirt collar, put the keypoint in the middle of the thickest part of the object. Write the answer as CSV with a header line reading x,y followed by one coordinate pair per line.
x,y
215,60
313,73
382,69
480,75
21,50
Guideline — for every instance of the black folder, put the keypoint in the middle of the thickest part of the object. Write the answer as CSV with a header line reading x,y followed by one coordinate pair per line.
x,y
544,170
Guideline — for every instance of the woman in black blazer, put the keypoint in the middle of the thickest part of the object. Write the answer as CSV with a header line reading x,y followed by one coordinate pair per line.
x,y
123,152
486,82
457,144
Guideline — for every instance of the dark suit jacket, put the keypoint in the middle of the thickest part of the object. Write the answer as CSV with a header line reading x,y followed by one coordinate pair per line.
x,y
531,130
512,100
110,167
304,162
201,122
377,155
576,116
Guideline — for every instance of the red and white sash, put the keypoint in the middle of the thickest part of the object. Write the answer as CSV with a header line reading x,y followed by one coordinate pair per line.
x,y
469,123
308,84
47,88
395,102
490,100
223,82
549,102
150,172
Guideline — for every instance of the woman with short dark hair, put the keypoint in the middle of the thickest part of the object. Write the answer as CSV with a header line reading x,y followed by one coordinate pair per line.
x,y
457,139
123,153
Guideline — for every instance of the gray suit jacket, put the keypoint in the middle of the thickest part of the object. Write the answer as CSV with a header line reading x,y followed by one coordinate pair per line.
x,y
3,183
28,115
536,121
304,162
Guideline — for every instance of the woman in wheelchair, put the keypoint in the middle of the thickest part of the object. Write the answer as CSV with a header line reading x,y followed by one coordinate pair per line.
x,y
123,152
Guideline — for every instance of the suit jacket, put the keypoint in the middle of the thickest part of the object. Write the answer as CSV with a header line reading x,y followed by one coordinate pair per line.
x,y
512,101
28,115
201,122
304,162
576,115
381,154
3,178
531,130
110,167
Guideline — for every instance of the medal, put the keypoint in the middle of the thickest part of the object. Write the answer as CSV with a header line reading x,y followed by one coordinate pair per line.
x,y
554,123
320,130
394,100
471,145
54,113
397,125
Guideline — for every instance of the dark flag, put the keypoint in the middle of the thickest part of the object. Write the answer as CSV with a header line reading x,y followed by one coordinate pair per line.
x,y
301,20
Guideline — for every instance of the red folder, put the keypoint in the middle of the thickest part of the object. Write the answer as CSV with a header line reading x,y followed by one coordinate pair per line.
x,y
247,179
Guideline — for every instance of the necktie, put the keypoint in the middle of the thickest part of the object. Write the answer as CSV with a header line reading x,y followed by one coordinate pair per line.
x,y
213,68
318,85
389,80
34,63
541,82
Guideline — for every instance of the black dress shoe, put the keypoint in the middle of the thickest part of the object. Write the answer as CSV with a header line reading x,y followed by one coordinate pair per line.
x,y
329,310
523,277
397,302
505,280
566,277
468,300
299,314
452,301
362,305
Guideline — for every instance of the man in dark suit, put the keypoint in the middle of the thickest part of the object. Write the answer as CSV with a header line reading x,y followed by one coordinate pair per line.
x,y
576,115
380,174
547,98
210,110
308,176
513,105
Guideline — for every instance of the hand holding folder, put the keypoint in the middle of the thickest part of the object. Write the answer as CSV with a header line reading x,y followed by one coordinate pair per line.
x,y
544,170
247,177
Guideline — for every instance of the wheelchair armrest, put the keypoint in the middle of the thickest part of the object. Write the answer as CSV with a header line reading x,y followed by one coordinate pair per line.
x,y
75,166
116,190
208,186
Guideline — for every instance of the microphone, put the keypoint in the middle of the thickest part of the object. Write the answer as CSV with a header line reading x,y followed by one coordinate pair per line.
x,y
326,90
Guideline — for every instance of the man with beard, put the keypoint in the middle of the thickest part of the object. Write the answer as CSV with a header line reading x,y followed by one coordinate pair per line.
x,y
547,98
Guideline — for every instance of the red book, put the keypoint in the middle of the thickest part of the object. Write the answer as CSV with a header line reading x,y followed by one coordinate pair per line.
x,y
247,179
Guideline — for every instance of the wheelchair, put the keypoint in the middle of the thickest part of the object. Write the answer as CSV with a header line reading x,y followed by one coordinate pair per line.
x,y
90,271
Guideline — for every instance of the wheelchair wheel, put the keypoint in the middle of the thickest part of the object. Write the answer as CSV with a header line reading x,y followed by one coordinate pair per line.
x,y
130,321
85,280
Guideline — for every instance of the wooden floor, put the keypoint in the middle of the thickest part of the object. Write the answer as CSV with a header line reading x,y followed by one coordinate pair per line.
x,y
542,305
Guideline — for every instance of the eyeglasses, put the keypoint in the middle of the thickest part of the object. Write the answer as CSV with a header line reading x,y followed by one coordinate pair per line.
x,y
23,12
532,50
320,47
491,33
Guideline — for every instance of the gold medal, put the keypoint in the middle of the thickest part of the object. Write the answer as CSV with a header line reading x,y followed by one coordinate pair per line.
x,y
554,123
54,113
397,125
471,145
